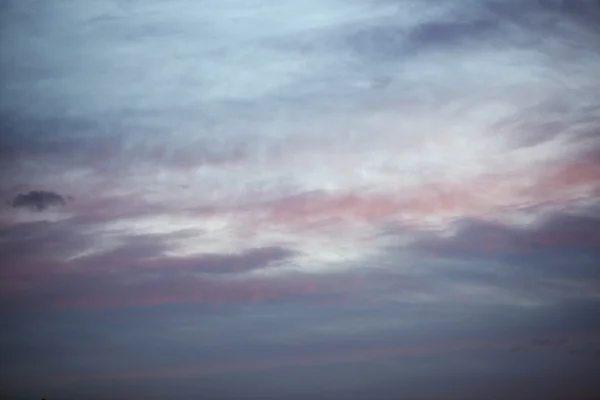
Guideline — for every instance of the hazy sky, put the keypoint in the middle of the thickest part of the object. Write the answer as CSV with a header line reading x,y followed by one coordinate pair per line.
x,y
308,199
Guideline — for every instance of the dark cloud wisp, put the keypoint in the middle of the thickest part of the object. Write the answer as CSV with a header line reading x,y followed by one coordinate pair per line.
x,y
38,200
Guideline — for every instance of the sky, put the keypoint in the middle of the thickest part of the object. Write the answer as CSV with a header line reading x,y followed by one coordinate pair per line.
x,y
316,199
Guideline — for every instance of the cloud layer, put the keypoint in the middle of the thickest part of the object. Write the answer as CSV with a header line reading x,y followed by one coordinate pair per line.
x,y
298,192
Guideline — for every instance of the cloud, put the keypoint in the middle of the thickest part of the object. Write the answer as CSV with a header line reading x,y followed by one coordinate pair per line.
x,y
51,265
250,260
38,200
409,173
554,232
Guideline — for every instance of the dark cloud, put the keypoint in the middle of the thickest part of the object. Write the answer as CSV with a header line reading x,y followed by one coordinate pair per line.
x,y
484,239
247,261
103,146
138,273
541,13
452,33
146,254
31,243
390,42
38,200
473,239
499,24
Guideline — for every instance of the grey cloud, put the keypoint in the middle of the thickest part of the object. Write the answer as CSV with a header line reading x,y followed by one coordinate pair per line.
x,y
38,200
112,146
235,263
42,240
553,261
560,232
445,33
544,29
573,114
57,241
486,263
393,42
584,9
146,253
35,253
132,273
